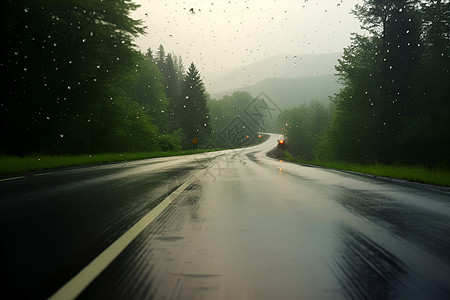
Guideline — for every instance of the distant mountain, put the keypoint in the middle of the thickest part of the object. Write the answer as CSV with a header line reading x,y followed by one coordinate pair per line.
x,y
280,66
290,92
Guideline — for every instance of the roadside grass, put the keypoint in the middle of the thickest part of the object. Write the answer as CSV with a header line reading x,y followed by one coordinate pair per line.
x,y
17,164
438,175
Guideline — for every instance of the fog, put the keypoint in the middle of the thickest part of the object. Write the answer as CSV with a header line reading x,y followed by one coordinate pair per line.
x,y
219,36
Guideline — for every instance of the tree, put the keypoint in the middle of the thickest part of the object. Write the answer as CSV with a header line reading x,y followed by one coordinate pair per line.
x,y
67,64
377,71
303,125
225,110
194,109
147,89
426,137
161,58
149,54
172,86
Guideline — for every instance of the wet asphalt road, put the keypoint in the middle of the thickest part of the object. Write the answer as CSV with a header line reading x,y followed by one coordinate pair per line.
x,y
245,226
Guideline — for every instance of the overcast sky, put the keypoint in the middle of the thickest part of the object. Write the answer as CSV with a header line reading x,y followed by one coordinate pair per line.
x,y
223,35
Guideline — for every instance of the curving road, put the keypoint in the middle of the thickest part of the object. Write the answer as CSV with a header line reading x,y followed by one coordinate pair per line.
x,y
227,225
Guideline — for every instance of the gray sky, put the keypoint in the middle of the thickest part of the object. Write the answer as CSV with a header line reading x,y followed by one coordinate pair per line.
x,y
223,35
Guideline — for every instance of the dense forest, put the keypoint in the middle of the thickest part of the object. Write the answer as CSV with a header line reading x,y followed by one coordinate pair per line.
x,y
394,104
74,83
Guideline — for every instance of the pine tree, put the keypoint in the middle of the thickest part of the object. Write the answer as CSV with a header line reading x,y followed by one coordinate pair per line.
x,y
173,89
149,54
161,58
194,109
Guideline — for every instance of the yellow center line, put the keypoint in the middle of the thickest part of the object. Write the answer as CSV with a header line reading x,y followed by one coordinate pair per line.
x,y
12,178
81,281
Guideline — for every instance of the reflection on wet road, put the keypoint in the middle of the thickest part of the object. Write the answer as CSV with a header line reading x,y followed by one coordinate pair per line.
x,y
257,228
251,227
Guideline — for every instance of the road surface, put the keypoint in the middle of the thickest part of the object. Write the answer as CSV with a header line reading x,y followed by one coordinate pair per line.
x,y
228,225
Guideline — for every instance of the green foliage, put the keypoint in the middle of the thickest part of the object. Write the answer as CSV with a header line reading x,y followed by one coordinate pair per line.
x,y
394,101
436,175
223,111
303,126
67,63
194,112
76,85
147,90
171,142
288,156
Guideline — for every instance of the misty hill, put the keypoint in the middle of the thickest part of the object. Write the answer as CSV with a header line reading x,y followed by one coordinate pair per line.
x,y
290,92
280,66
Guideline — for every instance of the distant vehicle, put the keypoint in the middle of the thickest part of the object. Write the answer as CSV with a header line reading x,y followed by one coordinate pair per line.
x,y
282,144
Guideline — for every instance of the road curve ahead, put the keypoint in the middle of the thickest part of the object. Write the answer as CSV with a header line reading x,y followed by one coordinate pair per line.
x,y
228,225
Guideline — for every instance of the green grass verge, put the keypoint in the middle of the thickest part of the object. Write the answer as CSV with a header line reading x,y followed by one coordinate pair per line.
x,y
16,164
436,176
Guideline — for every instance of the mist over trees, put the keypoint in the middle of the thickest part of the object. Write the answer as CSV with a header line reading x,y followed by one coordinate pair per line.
x,y
394,104
303,126
75,83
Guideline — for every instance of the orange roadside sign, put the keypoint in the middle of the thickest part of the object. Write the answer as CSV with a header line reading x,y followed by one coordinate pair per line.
x,y
195,141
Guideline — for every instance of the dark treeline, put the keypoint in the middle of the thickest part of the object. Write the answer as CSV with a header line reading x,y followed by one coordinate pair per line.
x,y
395,102
73,83
303,126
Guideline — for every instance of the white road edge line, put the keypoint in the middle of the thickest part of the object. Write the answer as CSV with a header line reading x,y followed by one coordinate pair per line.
x,y
74,287
12,178
43,174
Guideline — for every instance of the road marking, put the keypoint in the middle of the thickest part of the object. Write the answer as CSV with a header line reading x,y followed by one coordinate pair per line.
x,y
42,174
12,178
74,287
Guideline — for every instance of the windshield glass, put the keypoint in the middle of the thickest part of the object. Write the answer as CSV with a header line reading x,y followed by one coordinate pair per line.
x,y
214,149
